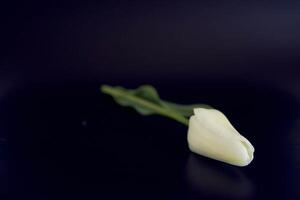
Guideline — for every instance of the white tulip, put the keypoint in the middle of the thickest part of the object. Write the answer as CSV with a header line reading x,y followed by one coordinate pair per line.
x,y
211,134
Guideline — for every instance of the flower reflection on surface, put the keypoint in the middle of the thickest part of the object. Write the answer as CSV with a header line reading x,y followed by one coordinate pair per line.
x,y
209,180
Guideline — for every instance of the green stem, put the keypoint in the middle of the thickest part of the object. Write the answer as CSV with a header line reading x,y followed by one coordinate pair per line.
x,y
158,109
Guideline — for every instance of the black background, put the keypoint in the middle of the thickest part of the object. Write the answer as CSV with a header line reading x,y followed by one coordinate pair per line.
x,y
63,139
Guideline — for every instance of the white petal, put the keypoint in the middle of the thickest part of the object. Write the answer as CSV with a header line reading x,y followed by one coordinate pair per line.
x,y
211,134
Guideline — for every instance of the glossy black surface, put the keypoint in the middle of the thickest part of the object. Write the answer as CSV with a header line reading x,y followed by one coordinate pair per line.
x,y
62,139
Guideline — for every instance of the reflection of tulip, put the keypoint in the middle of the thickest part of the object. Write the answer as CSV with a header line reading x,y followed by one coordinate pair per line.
x,y
210,134
209,181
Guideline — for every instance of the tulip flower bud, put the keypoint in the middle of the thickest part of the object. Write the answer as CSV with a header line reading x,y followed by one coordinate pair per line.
x,y
211,134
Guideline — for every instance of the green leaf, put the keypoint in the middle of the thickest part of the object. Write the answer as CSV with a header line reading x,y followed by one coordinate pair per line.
x,y
146,101
145,92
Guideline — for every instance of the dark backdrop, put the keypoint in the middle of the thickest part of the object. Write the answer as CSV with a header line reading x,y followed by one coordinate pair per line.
x,y
62,139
